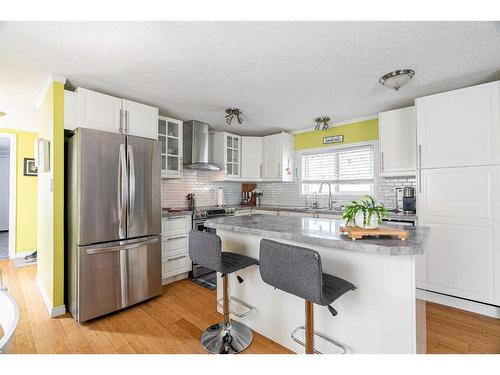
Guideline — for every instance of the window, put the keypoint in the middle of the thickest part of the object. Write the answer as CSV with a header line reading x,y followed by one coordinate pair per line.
x,y
350,171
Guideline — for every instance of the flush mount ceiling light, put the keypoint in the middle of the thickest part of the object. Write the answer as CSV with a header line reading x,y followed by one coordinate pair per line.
x,y
398,78
322,123
2,113
232,113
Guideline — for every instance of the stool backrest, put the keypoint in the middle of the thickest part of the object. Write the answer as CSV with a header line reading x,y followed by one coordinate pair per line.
x,y
292,269
205,249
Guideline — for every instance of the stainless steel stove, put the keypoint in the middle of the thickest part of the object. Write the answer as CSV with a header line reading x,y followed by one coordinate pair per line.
x,y
200,215
202,275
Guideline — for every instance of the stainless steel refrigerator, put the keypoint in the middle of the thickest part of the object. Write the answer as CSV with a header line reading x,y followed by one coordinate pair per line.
x,y
114,222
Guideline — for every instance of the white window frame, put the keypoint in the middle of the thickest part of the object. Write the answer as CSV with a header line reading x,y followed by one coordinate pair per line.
x,y
328,149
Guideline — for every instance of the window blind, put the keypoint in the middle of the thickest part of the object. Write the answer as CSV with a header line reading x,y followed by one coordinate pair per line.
x,y
348,169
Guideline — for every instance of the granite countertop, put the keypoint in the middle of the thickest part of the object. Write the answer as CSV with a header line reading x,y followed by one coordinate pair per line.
x,y
322,232
324,211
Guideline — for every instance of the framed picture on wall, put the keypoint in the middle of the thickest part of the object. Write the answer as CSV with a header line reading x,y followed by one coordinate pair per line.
x,y
29,167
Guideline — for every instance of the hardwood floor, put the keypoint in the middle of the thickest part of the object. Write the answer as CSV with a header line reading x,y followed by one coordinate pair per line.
x,y
173,324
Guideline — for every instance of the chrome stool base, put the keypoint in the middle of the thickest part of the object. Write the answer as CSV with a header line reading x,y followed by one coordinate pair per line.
x,y
222,339
298,335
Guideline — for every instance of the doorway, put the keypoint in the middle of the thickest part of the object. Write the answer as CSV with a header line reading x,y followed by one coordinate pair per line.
x,y
7,195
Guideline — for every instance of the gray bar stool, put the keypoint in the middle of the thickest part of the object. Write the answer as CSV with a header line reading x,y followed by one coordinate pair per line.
x,y
298,271
229,336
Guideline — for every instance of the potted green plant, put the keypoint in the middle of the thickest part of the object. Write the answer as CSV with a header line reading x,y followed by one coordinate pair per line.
x,y
365,213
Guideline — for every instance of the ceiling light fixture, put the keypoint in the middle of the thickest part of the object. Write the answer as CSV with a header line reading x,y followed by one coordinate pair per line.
x,y
322,120
2,114
232,113
398,78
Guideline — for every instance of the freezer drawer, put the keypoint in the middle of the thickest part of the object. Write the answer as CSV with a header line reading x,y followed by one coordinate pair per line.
x,y
116,275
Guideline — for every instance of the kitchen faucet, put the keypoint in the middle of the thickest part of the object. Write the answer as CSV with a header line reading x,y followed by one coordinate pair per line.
x,y
330,200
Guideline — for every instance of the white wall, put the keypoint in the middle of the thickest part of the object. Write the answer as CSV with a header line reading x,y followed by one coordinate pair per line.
x,y
4,193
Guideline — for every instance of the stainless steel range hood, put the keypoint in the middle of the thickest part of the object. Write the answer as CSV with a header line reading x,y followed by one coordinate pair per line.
x,y
196,147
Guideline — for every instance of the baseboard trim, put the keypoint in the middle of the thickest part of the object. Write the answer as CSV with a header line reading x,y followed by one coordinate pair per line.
x,y
53,311
23,254
172,279
459,303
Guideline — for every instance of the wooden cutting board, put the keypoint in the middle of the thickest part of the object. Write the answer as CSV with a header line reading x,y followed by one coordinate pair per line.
x,y
356,233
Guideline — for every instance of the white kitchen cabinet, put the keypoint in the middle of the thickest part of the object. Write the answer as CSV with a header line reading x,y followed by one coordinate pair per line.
x,y
69,110
104,112
397,139
139,119
98,111
175,265
277,157
462,209
460,127
171,137
176,225
175,247
226,150
251,158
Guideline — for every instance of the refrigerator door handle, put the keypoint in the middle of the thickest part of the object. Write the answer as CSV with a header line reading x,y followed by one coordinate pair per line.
x,y
100,250
122,194
124,277
131,162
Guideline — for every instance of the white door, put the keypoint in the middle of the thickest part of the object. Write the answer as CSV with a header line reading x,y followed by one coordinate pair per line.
x,y
98,111
461,207
4,190
271,157
460,127
140,120
397,138
251,158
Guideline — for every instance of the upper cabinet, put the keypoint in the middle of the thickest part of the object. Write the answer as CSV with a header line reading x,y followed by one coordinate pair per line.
x,y
397,136
98,111
104,112
251,158
226,149
171,138
460,127
140,119
69,110
277,157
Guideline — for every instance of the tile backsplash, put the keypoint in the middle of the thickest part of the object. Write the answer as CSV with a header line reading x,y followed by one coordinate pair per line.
x,y
387,190
205,184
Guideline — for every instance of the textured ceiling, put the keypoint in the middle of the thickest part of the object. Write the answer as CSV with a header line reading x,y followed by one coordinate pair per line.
x,y
281,74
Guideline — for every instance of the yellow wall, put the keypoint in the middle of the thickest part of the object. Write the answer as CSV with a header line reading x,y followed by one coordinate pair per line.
x,y
51,197
26,193
355,132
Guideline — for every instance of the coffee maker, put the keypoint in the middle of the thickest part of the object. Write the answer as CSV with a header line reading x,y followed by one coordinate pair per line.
x,y
409,200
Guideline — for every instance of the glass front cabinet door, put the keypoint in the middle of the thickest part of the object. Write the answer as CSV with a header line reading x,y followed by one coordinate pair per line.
x,y
170,136
233,155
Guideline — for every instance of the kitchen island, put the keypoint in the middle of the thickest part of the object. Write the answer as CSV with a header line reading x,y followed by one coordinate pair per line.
x,y
380,316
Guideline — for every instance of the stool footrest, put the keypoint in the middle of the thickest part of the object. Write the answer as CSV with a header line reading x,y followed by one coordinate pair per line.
x,y
298,335
237,307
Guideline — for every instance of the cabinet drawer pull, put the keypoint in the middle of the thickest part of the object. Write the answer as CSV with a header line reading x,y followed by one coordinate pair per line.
x,y
175,238
174,217
176,258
